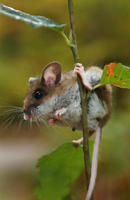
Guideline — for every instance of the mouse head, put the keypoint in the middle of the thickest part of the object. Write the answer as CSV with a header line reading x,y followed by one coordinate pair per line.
x,y
40,89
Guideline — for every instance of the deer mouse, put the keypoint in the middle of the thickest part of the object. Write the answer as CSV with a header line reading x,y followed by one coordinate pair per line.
x,y
55,97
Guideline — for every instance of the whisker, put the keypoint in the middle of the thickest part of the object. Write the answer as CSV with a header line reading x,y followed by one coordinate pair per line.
x,y
7,123
45,123
67,123
38,123
9,115
21,121
19,127
11,107
30,123
9,112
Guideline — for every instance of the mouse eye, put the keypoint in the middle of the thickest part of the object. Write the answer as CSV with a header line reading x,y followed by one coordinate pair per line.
x,y
38,94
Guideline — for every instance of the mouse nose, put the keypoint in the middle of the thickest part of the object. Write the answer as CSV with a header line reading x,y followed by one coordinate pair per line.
x,y
29,109
26,117
29,112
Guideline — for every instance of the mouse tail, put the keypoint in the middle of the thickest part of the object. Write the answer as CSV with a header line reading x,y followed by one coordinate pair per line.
x,y
94,164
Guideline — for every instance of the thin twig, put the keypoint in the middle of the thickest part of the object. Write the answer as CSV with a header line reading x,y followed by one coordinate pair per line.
x,y
83,97
72,32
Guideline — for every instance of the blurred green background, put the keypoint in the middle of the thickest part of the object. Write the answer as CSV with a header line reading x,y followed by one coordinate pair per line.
x,y
103,36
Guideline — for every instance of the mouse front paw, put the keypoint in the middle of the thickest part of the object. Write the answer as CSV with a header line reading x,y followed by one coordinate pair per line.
x,y
79,69
59,113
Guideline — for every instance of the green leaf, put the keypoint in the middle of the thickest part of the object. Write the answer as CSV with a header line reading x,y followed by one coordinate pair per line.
x,y
58,171
117,75
35,21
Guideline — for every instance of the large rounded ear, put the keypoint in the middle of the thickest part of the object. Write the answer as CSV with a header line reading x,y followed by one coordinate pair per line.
x,y
51,74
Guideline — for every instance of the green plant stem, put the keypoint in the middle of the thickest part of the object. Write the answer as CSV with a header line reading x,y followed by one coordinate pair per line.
x,y
97,86
68,42
83,97
72,32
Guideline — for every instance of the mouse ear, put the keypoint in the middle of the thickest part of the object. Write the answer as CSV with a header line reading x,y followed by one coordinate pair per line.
x,y
51,74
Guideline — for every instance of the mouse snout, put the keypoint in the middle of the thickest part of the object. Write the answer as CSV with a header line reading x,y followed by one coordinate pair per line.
x,y
30,113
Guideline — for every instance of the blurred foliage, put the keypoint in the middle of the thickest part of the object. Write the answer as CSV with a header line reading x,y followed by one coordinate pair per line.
x,y
103,35
59,170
